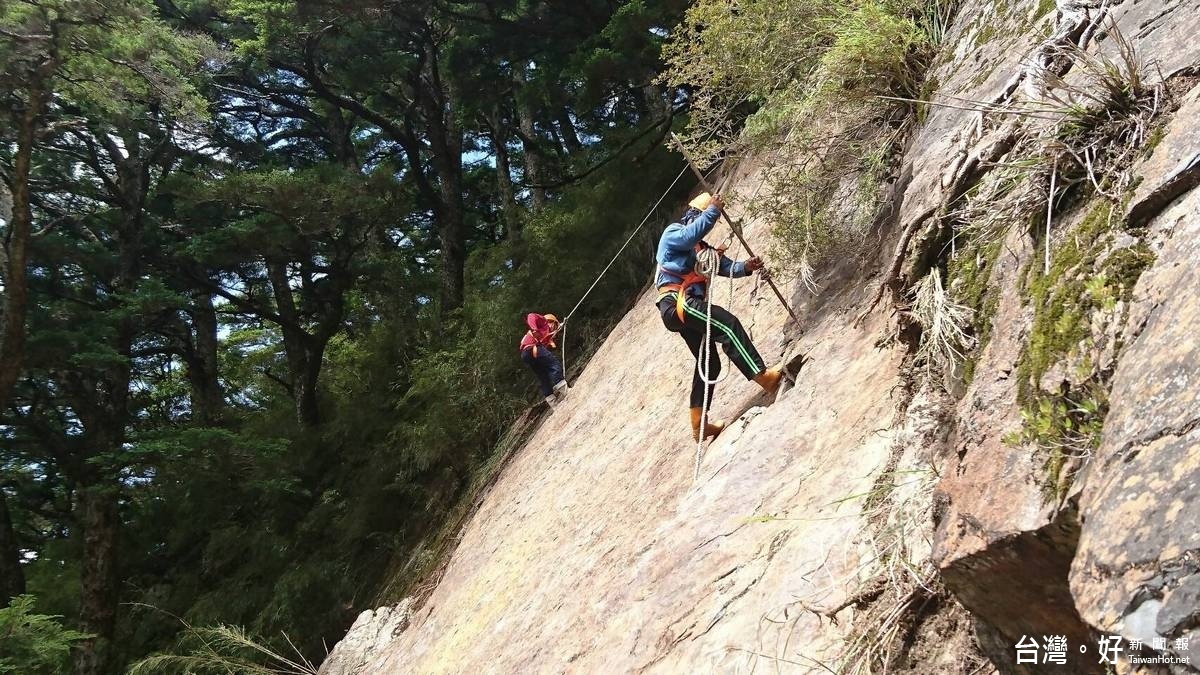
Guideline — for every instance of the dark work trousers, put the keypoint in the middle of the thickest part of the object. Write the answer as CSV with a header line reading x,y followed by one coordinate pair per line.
x,y
726,330
547,368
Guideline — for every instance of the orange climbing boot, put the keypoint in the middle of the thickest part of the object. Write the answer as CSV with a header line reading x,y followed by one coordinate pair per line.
x,y
769,380
710,430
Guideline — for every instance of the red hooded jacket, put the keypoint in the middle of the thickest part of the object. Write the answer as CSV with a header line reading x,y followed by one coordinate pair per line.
x,y
539,333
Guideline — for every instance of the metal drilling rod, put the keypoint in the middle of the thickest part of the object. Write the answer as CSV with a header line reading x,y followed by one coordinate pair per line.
x,y
737,231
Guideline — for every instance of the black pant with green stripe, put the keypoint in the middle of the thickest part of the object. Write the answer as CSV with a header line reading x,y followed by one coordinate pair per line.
x,y
726,330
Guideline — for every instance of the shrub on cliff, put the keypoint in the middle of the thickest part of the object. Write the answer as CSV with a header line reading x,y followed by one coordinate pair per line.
x,y
821,76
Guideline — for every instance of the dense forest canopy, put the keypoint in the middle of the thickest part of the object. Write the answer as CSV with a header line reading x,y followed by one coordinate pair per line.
x,y
265,265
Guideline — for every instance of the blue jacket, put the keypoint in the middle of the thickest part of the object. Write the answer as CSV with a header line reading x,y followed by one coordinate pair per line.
x,y
677,250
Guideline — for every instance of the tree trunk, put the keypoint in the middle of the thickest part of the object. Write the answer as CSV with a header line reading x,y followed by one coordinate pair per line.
x,y
535,173
105,415
295,347
16,290
566,128
342,138
511,212
203,372
452,235
100,522
655,100
12,577
305,384
445,146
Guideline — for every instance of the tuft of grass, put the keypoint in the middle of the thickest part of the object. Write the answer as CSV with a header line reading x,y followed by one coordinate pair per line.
x,y
1106,116
944,322
222,650
899,581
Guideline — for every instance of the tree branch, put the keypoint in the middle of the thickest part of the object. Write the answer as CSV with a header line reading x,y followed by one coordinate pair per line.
x,y
624,147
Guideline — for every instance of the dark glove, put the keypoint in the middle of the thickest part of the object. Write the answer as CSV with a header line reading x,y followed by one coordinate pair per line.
x,y
754,264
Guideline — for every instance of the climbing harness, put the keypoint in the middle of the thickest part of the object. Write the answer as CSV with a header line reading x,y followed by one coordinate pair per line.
x,y
734,227
687,280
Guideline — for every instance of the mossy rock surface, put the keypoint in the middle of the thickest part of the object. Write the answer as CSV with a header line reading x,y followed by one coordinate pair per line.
x,y
1091,272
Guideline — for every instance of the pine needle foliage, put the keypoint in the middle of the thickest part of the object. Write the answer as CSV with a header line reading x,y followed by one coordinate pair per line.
x,y
31,643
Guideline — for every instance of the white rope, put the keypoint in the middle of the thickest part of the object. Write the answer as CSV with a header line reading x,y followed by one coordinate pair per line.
x,y
626,244
563,324
708,263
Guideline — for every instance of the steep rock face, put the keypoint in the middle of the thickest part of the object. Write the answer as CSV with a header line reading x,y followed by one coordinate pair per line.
x,y
1006,545
1137,573
596,553
809,541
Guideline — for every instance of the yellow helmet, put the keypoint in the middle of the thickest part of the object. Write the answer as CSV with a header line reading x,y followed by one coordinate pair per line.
x,y
701,201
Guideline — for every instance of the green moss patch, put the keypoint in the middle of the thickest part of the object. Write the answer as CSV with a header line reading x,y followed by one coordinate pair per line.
x,y
970,273
1085,275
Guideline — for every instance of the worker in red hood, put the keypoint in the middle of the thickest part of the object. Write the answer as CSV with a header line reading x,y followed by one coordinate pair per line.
x,y
535,352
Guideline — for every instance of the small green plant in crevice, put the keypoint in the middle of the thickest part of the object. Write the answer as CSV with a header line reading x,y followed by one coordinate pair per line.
x,y
1086,274
970,272
994,23
928,88
1066,430
1045,7
1157,133
987,31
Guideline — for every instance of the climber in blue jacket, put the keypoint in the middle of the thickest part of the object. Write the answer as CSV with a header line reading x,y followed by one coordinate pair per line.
x,y
682,304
